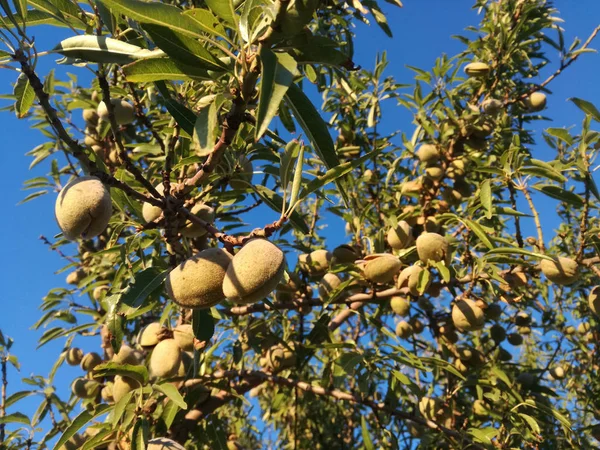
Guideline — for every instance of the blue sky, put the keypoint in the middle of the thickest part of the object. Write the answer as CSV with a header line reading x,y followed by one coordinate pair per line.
x,y
422,32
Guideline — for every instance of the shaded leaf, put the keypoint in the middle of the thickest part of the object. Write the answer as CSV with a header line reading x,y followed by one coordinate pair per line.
x,y
156,69
80,421
204,130
138,373
203,324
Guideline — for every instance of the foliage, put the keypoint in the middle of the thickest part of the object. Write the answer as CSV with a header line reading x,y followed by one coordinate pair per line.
x,y
331,358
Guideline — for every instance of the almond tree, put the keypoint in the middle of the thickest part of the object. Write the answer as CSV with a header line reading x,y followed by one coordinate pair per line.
x,y
452,317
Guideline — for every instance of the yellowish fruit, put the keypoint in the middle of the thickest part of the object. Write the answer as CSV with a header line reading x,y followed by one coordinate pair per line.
x,y
254,272
194,230
400,305
184,336
491,106
401,236
583,327
123,385
107,392
329,283
536,102
150,212
434,173
428,153
404,329
412,186
594,300
560,270
467,316
99,292
91,360
432,247
124,112
315,263
522,319
198,282
570,330
90,116
430,408
74,356
381,268
481,408
477,69
75,277
83,208
558,373
418,326
149,335
165,359
409,278
280,357
84,388
163,444
127,355
91,140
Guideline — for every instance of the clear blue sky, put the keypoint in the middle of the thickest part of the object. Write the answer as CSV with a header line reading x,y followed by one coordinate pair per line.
x,y
422,32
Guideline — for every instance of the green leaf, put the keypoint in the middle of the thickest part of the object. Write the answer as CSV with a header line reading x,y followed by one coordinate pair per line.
x,y
171,392
313,125
204,130
561,194
139,434
297,182
223,9
183,48
479,232
21,7
203,324
64,10
367,441
562,134
485,195
15,418
144,284
516,251
531,422
79,422
101,49
587,108
207,21
137,373
275,202
158,14
98,440
120,407
483,435
288,159
14,398
543,170
24,96
253,20
114,322
278,71
156,69
182,115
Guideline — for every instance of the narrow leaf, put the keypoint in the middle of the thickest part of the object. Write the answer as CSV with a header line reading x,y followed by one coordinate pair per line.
x,y
278,71
80,421
171,392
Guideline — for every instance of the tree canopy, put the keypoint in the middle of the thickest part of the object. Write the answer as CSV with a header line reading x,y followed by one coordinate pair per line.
x,y
200,177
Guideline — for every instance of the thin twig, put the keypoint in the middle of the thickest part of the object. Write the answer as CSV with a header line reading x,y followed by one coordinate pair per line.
x,y
536,217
